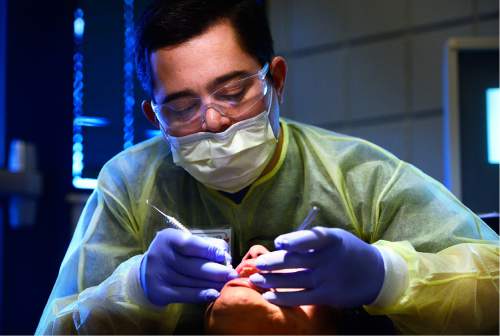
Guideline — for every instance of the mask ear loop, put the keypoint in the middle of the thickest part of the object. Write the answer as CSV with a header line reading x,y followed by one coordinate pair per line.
x,y
165,133
273,112
154,108
171,140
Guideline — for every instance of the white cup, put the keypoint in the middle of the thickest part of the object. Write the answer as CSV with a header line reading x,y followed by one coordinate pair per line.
x,y
22,209
22,156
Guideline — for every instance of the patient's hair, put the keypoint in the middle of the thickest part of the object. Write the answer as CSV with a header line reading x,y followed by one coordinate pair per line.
x,y
171,22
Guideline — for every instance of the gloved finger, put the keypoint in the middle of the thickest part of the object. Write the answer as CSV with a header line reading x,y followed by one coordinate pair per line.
x,y
201,268
194,246
283,259
291,299
177,279
299,279
222,244
167,295
305,240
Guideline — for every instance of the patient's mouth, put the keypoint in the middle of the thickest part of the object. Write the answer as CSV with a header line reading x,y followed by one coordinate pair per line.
x,y
244,282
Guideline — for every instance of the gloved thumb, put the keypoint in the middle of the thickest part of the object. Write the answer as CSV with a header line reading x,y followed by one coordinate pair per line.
x,y
306,240
221,245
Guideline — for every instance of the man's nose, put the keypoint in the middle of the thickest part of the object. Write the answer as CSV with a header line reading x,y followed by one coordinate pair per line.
x,y
215,121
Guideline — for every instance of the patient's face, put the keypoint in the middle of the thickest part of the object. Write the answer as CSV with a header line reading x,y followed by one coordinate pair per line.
x,y
240,309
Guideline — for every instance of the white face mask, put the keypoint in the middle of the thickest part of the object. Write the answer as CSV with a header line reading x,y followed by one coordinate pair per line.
x,y
233,159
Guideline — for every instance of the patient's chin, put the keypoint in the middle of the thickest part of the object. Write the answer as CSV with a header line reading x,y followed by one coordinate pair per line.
x,y
240,309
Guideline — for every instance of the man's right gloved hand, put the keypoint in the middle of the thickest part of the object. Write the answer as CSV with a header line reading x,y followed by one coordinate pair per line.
x,y
181,267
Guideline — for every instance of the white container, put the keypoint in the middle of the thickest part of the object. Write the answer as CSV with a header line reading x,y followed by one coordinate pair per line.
x,y
22,209
22,157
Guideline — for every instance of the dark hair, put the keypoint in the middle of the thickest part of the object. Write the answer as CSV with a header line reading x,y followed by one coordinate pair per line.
x,y
171,22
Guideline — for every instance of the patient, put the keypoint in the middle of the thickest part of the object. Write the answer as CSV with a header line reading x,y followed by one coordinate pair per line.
x,y
240,309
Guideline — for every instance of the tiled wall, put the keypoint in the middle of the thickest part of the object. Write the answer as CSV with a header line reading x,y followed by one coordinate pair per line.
x,y
372,68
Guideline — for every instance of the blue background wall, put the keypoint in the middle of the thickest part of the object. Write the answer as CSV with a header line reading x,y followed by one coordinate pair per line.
x,y
373,69
38,109
3,35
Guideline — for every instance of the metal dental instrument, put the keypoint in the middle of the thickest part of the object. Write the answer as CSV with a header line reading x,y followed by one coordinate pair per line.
x,y
170,220
311,216
177,225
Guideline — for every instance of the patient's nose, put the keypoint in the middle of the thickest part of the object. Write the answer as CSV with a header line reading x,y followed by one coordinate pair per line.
x,y
255,251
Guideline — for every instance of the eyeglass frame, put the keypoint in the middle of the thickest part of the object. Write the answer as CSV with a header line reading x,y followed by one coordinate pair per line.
x,y
262,73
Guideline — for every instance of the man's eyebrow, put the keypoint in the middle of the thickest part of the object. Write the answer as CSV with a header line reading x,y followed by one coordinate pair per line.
x,y
237,74
211,86
178,94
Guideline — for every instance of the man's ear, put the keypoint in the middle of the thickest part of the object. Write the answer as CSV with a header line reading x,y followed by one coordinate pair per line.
x,y
278,69
149,113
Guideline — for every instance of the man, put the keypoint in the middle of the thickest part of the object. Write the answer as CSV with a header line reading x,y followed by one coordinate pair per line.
x,y
388,239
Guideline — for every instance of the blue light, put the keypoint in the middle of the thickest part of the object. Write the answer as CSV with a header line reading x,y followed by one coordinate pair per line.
x,y
77,138
152,133
79,120
79,24
128,75
79,27
91,121
78,156
77,147
493,123
77,165
84,183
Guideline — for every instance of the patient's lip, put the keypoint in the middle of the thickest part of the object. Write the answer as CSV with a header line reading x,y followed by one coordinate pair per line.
x,y
239,282
244,282
232,275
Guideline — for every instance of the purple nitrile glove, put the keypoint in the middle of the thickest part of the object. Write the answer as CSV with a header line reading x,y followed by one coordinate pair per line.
x,y
181,267
339,269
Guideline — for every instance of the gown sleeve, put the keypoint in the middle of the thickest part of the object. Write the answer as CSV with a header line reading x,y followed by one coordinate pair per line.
x,y
452,257
97,289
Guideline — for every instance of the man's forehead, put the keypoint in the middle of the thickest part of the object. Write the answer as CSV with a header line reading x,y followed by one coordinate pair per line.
x,y
201,59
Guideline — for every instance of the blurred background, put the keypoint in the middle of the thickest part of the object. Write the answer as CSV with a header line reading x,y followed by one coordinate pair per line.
x,y
417,77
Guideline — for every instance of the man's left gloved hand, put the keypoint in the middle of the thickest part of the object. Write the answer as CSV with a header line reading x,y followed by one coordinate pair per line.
x,y
337,269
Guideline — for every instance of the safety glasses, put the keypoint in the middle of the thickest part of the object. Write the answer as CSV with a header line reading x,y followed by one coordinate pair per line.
x,y
233,100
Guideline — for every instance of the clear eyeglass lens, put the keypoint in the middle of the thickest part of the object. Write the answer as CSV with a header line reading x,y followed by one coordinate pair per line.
x,y
234,100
